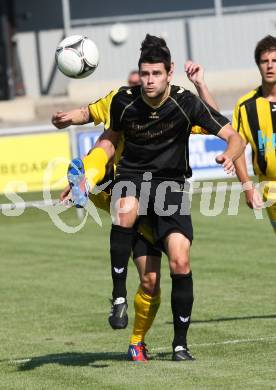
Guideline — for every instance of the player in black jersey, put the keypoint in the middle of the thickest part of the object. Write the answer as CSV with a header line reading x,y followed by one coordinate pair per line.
x,y
156,121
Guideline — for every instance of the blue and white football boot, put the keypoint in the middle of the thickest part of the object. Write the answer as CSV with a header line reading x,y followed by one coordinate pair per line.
x,y
78,183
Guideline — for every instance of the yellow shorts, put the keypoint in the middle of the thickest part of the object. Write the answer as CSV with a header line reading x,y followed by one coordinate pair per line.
x,y
269,194
101,200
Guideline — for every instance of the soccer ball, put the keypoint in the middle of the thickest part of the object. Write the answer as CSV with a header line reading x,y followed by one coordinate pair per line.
x,y
77,56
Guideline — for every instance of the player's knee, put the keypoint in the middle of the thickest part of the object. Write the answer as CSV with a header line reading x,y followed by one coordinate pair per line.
x,y
150,283
125,212
125,221
180,265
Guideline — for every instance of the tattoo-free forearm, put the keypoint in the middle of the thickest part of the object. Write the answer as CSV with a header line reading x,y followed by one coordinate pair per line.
x,y
241,169
205,94
235,147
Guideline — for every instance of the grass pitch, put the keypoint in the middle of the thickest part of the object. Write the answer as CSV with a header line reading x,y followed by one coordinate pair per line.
x,y
54,306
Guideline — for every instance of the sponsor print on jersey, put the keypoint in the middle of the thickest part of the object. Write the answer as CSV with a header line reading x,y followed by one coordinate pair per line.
x,y
266,144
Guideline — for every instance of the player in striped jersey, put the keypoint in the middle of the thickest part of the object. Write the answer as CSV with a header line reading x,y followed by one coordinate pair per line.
x,y
255,120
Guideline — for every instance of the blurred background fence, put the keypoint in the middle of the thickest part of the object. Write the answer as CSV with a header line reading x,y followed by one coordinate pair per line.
x,y
220,34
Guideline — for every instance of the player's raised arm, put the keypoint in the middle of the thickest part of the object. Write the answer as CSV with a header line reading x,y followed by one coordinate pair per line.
x,y
77,116
195,74
97,112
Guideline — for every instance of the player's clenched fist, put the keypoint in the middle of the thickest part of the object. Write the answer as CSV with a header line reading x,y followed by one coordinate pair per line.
x,y
226,162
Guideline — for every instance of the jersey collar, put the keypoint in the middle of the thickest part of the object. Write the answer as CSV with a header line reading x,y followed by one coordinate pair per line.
x,y
147,101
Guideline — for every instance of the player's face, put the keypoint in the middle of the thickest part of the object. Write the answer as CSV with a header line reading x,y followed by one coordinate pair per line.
x,y
154,79
267,66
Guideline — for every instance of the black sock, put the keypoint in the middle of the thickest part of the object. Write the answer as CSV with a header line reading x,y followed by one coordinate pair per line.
x,y
182,302
120,249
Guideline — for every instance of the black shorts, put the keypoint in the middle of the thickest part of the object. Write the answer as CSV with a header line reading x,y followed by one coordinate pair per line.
x,y
165,202
142,247
109,177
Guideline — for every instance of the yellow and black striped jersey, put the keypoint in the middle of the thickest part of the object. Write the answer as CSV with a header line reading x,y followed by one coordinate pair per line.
x,y
255,119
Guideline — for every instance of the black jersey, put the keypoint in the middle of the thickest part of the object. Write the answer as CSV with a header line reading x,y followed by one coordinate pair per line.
x,y
156,139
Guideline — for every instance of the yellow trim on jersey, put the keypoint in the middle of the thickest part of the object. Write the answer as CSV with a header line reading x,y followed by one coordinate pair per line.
x,y
198,130
155,106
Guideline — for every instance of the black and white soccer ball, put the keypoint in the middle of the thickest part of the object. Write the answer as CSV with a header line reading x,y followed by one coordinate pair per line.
x,y
77,56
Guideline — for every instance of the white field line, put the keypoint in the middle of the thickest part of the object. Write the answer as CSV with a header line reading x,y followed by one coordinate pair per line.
x,y
226,342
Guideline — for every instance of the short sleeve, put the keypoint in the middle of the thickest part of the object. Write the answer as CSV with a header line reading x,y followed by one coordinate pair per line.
x,y
236,117
100,110
237,121
203,115
116,112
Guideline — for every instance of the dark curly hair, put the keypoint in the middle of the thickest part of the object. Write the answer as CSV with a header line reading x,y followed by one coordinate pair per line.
x,y
154,50
268,43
